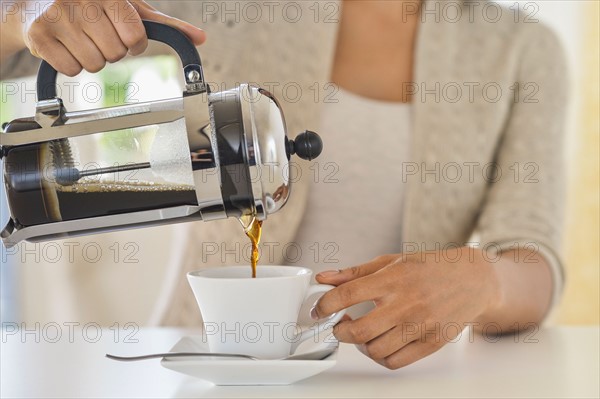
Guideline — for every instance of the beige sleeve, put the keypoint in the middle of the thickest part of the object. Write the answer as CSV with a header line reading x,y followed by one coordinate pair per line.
x,y
525,205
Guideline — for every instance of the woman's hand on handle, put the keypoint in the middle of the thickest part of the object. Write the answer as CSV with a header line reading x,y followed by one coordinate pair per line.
x,y
75,35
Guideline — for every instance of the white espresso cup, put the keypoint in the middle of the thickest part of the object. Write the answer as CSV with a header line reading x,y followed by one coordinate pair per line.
x,y
257,316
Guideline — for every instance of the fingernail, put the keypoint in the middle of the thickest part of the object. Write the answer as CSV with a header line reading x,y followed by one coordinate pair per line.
x,y
328,273
313,313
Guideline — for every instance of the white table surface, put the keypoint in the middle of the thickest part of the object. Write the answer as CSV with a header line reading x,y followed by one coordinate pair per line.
x,y
564,362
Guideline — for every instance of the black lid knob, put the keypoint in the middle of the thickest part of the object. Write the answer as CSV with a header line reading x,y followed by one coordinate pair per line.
x,y
307,145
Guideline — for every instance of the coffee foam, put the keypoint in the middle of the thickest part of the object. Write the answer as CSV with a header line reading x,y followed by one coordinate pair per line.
x,y
48,188
97,186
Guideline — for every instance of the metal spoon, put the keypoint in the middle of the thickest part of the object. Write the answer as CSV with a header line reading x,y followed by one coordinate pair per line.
x,y
319,354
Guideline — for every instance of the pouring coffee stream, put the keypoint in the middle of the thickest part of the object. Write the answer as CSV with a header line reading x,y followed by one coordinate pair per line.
x,y
253,229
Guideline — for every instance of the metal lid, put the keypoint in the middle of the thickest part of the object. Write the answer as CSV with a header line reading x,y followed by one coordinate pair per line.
x,y
266,142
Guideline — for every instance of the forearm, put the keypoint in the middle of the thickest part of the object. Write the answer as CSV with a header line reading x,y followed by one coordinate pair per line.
x,y
524,290
11,37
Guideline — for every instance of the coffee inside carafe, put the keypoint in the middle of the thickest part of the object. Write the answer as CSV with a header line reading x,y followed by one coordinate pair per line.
x,y
42,200
96,198
93,176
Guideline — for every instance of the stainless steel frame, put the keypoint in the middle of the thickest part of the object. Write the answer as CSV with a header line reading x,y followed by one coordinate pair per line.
x,y
266,152
57,123
12,235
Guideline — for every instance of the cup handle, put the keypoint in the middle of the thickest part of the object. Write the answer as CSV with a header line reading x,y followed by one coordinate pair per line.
x,y
323,324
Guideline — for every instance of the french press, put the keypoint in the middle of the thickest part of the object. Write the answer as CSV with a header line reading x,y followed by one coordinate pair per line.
x,y
204,156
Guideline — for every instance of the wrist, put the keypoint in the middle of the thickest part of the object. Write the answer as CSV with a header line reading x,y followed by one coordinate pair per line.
x,y
493,297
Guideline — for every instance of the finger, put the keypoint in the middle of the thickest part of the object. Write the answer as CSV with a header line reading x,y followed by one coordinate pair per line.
x,y
387,343
340,276
344,296
83,49
409,354
366,328
57,55
106,38
345,318
196,35
128,25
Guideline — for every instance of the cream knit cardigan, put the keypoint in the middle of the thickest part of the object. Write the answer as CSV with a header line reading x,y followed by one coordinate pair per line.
x,y
520,131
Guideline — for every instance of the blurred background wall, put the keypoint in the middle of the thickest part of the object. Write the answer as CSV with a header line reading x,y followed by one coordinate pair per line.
x,y
576,22
581,303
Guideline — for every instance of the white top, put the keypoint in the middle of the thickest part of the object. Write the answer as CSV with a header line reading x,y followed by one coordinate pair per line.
x,y
354,206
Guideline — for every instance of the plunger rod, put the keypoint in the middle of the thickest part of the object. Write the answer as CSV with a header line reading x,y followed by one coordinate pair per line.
x,y
70,176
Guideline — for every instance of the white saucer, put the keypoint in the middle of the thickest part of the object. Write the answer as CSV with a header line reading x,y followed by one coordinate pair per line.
x,y
230,371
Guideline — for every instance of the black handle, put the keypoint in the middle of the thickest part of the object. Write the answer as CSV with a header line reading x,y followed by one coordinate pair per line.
x,y
192,66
